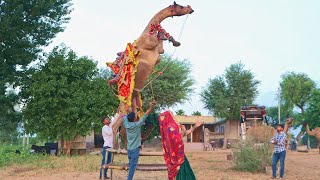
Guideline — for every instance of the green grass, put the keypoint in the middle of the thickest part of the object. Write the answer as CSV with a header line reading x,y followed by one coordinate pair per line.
x,y
9,157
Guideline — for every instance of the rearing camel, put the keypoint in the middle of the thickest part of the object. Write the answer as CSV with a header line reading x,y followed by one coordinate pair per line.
x,y
146,51
315,133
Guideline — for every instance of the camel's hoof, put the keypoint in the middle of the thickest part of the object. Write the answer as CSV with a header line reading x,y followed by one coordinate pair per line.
x,y
161,51
176,43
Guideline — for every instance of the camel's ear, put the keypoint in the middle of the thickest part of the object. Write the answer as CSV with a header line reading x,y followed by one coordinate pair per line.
x,y
174,3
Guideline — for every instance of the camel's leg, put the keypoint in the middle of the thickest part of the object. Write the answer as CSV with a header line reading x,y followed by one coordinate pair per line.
x,y
160,47
163,35
123,135
134,106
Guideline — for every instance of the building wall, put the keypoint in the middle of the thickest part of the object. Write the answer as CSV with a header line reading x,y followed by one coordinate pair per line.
x,y
232,129
198,134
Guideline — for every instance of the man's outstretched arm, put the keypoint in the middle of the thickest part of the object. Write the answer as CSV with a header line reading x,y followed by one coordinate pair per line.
x,y
153,103
143,119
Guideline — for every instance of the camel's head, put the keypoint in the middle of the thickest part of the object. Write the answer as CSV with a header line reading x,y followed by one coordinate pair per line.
x,y
178,10
289,120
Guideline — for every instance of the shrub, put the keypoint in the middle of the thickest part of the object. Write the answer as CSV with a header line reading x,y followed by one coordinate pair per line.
x,y
255,153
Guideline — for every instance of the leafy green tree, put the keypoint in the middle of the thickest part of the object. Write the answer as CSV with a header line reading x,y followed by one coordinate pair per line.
x,y
224,95
170,84
285,112
9,117
296,91
196,113
25,28
313,111
67,97
180,112
173,84
151,128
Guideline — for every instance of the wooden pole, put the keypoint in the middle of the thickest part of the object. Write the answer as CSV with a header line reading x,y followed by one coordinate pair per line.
x,y
279,104
142,153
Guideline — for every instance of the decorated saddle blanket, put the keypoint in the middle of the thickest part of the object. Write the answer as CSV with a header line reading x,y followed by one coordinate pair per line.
x,y
125,68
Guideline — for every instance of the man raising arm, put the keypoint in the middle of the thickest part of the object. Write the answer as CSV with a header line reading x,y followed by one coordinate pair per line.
x,y
134,137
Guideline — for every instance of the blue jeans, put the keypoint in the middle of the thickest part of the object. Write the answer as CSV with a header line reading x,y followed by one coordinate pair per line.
x,y
133,156
104,152
275,158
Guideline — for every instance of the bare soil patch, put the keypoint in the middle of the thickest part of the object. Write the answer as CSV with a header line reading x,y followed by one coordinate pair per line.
x,y
206,165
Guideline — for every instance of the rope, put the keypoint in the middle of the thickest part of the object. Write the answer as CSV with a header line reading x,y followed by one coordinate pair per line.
x,y
166,66
153,97
149,133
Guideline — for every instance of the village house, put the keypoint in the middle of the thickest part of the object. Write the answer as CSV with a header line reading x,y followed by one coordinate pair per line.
x,y
213,129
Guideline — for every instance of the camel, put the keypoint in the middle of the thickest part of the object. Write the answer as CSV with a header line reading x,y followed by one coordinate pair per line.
x,y
315,133
287,125
146,53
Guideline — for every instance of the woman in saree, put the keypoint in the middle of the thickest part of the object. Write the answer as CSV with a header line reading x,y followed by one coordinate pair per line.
x,y
173,148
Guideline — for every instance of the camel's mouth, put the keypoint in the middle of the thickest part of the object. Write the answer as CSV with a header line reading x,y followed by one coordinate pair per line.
x,y
191,11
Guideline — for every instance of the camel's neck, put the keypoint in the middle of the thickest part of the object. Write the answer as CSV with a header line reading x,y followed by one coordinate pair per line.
x,y
308,131
159,17
286,128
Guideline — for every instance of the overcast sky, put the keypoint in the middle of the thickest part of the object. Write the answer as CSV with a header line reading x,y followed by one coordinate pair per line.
x,y
270,37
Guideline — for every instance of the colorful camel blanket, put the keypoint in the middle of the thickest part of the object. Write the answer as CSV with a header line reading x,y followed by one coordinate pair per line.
x,y
125,68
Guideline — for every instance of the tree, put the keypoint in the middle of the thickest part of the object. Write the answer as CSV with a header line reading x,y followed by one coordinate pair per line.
x,y
224,95
196,113
25,28
67,97
312,139
9,118
286,112
313,111
180,112
296,91
173,85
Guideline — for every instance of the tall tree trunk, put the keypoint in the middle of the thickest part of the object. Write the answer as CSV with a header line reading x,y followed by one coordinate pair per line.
x,y
225,139
62,146
301,131
68,148
299,135
225,142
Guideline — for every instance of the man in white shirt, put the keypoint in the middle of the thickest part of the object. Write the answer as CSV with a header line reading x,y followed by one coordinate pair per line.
x,y
108,142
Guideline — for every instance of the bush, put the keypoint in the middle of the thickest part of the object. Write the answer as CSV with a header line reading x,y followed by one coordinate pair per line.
x,y
8,156
255,153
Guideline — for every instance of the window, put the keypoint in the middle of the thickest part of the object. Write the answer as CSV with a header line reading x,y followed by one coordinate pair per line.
x,y
221,129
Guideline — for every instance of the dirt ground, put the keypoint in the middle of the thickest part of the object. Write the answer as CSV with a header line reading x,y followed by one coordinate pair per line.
x,y
206,165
